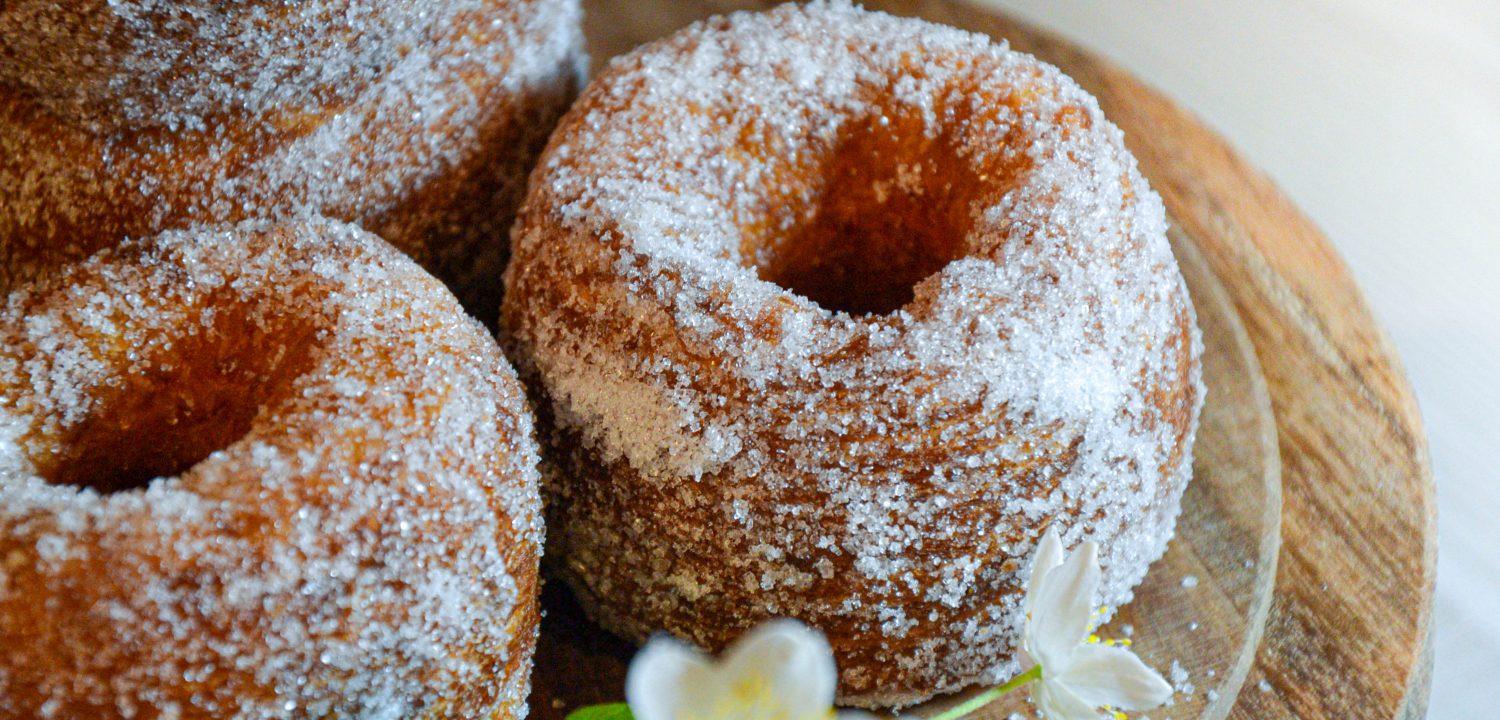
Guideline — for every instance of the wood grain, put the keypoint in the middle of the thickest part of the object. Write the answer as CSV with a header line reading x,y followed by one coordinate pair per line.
x,y
1347,631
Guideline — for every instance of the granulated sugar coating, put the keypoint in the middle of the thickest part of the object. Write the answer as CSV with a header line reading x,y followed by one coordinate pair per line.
x,y
831,314
418,120
344,519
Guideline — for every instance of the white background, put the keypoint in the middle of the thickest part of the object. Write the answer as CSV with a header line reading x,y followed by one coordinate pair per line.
x,y
1381,120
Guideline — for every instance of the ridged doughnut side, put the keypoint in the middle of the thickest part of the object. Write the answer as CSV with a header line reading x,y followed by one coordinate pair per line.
x,y
356,532
723,449
417,121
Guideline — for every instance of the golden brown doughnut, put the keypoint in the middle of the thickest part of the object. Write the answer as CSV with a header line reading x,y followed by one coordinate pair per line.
x,y
417,120
830,315
344,519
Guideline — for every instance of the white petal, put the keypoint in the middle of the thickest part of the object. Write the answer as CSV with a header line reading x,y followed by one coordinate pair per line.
x,y
660,677
1059,703
1064,606
1113,676
1049,554
796,661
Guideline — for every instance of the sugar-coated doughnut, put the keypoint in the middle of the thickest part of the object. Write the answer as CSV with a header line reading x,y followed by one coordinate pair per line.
x,y
416,120
830,315
261,472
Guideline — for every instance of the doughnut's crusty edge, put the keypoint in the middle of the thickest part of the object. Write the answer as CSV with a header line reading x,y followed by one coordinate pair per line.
x,y
367,548
724,450
431,153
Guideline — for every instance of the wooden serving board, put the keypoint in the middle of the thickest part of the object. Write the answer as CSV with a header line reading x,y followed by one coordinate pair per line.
x,y
1310,525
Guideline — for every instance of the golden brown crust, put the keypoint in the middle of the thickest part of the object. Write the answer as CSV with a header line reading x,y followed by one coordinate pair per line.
x,y
418,122
830,315
261,472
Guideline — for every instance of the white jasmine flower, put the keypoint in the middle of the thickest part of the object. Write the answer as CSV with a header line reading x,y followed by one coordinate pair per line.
x,y
780,670
1078,676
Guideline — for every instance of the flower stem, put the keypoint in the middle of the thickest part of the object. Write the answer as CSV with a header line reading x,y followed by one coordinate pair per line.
x,y
989,696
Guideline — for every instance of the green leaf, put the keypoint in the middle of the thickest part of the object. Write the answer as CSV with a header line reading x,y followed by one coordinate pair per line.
x,y
610,711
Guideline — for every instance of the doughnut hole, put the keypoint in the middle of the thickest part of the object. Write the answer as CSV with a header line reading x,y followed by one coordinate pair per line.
x,y
889,205
176,406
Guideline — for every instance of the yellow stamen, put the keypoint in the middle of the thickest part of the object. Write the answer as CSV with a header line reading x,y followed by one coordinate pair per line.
x,y
750,697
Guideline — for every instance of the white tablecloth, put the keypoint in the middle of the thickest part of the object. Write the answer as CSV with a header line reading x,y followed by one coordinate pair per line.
x,y
1381,119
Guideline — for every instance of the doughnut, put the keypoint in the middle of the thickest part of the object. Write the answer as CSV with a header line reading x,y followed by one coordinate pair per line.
x,y
830,315
416,120
261,471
